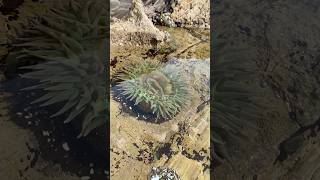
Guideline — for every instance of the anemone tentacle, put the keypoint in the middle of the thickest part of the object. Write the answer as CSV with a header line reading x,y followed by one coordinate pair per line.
x,y
164,92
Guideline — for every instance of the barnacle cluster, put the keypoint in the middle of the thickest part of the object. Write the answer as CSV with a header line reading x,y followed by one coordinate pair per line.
x,y
157,91
159,173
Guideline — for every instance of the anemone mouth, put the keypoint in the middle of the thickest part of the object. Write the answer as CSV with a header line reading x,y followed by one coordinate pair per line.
x,y
156,82
159,92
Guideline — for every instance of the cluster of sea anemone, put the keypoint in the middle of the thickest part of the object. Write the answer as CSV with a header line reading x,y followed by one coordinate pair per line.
x,y
154,89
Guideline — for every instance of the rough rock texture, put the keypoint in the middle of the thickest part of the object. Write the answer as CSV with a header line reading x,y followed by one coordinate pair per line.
x,y
137,29
190,13
284,47
181,143
181,13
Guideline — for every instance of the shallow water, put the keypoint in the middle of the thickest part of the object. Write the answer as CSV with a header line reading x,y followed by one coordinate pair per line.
x,y
187,43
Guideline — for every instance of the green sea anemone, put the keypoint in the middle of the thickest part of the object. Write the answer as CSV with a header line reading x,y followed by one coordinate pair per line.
x,y
135,69
159,92
235,109
78,83
65,27
69,45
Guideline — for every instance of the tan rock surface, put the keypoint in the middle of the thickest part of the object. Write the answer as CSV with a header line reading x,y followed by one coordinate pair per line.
x,y
136,30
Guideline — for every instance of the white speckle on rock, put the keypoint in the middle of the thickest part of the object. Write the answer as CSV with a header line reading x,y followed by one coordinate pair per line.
x,y
45,133
65,146
85,178
156,177
27,117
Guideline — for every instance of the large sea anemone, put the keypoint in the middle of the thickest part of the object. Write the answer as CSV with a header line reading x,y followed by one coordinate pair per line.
x,y
155,91
78,83
68,49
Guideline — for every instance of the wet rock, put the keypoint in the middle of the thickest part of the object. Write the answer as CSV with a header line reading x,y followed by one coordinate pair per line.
x,y
290,86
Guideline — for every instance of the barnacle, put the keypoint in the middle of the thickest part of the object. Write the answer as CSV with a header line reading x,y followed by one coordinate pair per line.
x,y
159,92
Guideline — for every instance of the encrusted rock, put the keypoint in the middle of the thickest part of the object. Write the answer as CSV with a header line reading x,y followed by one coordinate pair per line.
x,y
183,13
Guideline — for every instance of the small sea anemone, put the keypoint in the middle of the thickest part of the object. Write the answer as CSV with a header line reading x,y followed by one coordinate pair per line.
x,y
159,92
